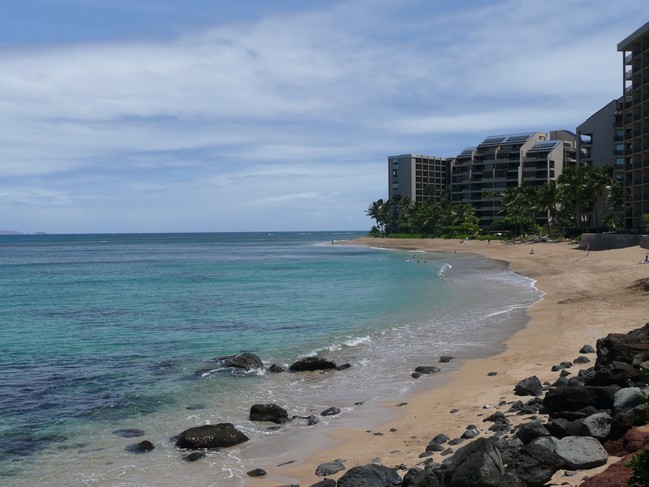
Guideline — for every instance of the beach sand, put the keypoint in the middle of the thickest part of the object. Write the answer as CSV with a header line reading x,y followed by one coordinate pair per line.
x,y
586,296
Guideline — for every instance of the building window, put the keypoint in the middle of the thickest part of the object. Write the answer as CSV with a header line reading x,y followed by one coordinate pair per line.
x,y
395,186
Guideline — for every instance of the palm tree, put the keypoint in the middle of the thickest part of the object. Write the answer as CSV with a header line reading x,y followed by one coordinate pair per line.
x,y
378,211
547,200
517,202
572,191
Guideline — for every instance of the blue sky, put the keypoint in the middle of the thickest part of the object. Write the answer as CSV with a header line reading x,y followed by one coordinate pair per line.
x,y
242,115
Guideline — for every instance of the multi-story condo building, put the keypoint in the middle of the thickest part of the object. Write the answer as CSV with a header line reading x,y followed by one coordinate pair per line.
x,y
635,119
600,139
481,174
418,177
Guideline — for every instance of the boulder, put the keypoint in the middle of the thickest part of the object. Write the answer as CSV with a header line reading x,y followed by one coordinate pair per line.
x,y
329,468
622,422
535,464
441,438
210,436
528,432
597,425
618,373
432,446
332,411
566,399
581,360
629,398
477,464
276,369
268,412
561,427
246,361
310,364
427,369
630,347
508,448
581,452
529,387
325,483
370,475
445,359
418,477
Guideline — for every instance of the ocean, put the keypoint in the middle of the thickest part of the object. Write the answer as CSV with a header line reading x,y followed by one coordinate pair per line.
x,y
104,337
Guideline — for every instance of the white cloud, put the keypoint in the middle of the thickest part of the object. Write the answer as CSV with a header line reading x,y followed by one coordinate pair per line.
x,y
316,98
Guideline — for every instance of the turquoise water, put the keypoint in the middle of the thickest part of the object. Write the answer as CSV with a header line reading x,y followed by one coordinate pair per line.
x,y
104,332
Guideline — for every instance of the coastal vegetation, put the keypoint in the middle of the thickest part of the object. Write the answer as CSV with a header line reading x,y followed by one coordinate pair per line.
x,y
581,197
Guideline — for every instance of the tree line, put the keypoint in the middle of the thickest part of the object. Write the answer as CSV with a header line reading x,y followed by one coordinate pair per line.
x,y
580,198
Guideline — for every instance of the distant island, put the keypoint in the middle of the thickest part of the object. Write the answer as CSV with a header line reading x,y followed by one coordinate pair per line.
x,y
13,232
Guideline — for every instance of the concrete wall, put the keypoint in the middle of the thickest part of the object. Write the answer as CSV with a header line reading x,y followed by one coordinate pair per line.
x,y
605,241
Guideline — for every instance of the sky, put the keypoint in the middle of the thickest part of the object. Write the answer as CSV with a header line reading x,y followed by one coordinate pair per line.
x,y
274,115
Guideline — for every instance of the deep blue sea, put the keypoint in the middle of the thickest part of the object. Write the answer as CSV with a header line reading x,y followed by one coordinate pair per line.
x,y
102,333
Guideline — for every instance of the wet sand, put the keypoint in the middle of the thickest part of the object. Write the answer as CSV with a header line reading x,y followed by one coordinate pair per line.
x,y
586,296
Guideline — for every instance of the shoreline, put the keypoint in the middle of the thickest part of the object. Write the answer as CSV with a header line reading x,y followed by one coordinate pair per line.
x,y
585,297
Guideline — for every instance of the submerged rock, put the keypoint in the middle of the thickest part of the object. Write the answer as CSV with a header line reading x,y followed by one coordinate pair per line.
x,y
310,364
246,361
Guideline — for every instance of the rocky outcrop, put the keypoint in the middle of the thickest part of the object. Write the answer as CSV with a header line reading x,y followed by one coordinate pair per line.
x,y
210,436
310,364
632,347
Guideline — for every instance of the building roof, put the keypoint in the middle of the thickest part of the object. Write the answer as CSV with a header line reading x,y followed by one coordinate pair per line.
x,y
623,46
545,146
497,140
468,152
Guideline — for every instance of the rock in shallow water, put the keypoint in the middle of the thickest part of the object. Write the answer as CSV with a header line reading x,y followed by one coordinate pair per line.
x,y
210,436
309,364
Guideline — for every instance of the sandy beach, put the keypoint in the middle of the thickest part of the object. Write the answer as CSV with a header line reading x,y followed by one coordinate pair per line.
x,y
586,296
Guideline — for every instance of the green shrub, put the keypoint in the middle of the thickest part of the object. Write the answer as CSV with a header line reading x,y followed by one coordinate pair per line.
x,y
639,463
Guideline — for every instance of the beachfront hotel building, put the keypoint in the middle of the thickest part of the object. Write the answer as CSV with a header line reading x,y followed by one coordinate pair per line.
x,y
635,121
419,177
481,174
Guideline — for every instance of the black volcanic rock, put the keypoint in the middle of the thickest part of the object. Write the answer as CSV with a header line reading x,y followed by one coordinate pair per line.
x,y
563,400
371,475
210,436
529,387
268,412
310,364
632,348
246,361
